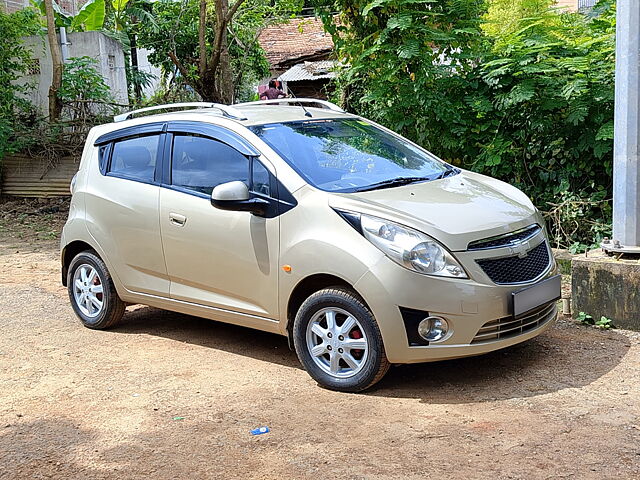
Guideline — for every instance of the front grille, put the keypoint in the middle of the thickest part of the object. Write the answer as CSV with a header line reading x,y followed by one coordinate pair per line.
x,y
514,269
510,327
505,240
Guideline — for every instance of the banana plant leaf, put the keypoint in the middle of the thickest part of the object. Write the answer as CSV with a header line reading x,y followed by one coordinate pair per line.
x,y
90,17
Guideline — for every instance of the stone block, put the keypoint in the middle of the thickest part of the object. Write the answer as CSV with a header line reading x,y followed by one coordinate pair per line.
x,y
563,259
602,285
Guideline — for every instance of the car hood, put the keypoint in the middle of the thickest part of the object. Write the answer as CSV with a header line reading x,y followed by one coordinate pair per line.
x,y
454,210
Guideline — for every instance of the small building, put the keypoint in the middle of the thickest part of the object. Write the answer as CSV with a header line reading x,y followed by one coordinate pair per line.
x,y
299,54
309,79
69,6
576,5
105,50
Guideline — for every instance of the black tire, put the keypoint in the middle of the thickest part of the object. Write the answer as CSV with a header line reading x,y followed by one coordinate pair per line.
x,y
112,306
376,364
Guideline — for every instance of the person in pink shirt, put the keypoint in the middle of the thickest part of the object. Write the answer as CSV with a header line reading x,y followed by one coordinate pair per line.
x,y
273,92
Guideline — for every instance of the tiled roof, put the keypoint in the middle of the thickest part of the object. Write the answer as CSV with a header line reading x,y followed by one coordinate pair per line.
x,y
310,71
298,39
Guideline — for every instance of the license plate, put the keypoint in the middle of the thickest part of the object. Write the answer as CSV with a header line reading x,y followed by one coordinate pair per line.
x,y
529,298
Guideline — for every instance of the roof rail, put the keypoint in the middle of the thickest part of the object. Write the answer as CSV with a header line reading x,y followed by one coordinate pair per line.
x,y
322,103
226,110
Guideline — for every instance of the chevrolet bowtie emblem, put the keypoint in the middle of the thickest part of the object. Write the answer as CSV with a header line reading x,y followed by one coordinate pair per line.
x,y
520,249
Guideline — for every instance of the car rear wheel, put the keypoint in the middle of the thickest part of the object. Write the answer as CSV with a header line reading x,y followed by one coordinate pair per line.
x,y
338,341
93,296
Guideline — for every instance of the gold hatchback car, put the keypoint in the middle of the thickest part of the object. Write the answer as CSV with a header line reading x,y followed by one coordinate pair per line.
x,y
294,217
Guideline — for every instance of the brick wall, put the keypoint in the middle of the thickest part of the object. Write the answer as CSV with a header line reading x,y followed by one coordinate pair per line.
x,y
69,6
11,6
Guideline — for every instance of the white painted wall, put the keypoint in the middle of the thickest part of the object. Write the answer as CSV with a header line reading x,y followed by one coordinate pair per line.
x,y
96,45
145,66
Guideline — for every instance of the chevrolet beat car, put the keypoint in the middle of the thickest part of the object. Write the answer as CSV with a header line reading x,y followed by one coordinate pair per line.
x,y
297,218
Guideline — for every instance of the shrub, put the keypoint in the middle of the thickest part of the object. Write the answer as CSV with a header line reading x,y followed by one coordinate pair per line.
x,y
15,60
528,99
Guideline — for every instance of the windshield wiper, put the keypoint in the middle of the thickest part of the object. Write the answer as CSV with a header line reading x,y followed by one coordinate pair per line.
x,y
448,172
394,182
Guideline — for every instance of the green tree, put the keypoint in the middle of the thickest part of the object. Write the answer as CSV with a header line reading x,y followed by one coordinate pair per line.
x,y
523,92
83,92
125,19
406,59
90,17
15,60
55,105
213,45
504,16
545,99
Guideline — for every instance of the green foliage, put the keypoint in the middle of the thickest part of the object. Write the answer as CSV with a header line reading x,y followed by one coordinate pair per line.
x,y
84,92
124,20
604,323
177,31
396,49
90,16
585,319
177,25
504,16
527,96
62,19
15,58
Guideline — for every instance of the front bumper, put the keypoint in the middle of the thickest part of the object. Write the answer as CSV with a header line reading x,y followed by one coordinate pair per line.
x,y
467,305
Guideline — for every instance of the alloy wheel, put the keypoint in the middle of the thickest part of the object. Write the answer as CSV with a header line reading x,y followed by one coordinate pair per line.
x,y
88,290
337,342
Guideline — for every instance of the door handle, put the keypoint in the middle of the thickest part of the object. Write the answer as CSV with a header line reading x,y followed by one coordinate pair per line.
x,y
177,219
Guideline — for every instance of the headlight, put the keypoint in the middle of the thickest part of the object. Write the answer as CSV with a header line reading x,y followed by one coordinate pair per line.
x,y
410,248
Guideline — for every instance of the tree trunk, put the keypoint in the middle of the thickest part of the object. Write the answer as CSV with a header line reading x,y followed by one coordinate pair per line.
x,y
220,63
214,82
137,90
202,43
55,105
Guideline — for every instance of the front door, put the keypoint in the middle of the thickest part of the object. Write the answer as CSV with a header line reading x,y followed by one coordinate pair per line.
x,y
217,258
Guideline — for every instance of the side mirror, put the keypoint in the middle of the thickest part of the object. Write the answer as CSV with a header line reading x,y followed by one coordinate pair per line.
x,y
235,196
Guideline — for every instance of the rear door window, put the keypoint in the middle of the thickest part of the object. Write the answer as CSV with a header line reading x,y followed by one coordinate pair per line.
x,y
135,158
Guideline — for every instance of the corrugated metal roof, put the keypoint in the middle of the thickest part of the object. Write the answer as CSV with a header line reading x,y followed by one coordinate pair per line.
x,y
310,71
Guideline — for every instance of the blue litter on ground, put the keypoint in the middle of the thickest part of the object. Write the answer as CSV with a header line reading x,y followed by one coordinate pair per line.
x,y
260,430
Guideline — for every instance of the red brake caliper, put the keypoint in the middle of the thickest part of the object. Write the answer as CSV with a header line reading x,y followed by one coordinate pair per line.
x,y
355,334
96,281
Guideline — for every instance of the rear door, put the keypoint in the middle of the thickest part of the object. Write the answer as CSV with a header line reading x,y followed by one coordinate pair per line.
x,y
217,258
122,207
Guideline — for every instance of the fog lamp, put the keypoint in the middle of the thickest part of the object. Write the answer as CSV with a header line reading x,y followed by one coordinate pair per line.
x,y
433,329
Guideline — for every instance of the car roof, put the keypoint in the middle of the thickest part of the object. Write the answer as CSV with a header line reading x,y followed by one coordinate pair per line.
x,y
245,114
257,114
250,114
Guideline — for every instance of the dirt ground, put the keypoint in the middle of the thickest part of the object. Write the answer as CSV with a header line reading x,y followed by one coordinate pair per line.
x,y
170,396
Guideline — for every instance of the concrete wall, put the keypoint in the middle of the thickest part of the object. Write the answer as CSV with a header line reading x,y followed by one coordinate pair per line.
x,y
568,4
145,66
605,286
96,45
574,5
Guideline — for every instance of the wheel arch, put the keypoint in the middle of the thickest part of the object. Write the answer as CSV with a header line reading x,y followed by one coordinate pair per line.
x,y
305,288
70,251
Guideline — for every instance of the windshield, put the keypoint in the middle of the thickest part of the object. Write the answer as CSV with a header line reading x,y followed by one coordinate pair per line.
x,y
349,155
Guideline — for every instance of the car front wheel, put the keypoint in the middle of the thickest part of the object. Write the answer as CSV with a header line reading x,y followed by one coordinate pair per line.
x,y
338,341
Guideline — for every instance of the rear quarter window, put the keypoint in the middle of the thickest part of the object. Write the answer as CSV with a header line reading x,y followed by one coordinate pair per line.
x,y
135,158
